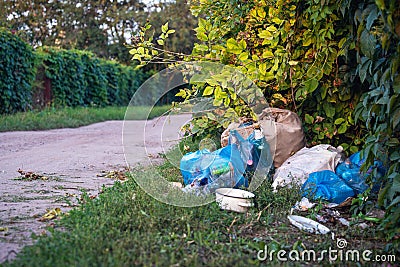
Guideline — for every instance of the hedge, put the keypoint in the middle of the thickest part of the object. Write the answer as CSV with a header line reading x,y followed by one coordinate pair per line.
x,y
80,79
17,73
74,77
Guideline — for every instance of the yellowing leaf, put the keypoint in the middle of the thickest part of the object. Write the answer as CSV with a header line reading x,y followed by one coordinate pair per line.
x,y
233,46
51,214
164,28
267,54
160,41
208,91
243,56
265,35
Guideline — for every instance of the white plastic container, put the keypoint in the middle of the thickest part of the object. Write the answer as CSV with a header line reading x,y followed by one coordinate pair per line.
x,y
234,199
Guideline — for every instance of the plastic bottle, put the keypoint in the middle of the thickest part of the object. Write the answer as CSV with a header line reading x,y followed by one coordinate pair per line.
x,y
219,167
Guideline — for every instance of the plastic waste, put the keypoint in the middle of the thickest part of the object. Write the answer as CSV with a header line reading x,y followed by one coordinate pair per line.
x,y
296,169
326,185
260,152
350,172
204,171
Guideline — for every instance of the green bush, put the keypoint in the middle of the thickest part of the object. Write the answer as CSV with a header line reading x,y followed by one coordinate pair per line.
x,y
17,72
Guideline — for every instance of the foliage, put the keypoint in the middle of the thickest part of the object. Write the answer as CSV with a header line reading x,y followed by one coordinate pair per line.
x,y
17,71
377,29
293,51
78,78
319,58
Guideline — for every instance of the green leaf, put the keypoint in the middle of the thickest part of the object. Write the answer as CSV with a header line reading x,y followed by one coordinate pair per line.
x,y
243,56
208,91
396,118
181,93
367,44
202,36
170,31
265,35
242,44
267,54
373,15
329,110
380,4
164,28
160,41
353,149
276,20
309,119
342,129
311,85
339,121
233,46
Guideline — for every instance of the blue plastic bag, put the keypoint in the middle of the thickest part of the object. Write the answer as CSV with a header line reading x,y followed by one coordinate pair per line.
x,y
326,185
194,165
204,167
260,153
350,172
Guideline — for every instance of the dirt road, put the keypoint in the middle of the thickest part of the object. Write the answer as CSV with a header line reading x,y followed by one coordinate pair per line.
x,y
70,160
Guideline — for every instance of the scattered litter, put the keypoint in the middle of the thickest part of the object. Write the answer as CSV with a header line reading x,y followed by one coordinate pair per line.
x,y
347,202
308,225
115,175
304,204
297,168
234,199
344,222
377,213
362,225
30,176
50,214
176,184
204,171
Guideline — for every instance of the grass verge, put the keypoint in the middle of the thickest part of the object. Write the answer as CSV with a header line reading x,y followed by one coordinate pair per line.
x,y
52,118
124,226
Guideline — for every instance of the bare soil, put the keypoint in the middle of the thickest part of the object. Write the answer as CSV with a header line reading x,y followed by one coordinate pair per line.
x,y
63,163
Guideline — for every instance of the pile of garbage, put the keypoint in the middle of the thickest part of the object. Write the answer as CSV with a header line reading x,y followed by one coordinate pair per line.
x,y
322,171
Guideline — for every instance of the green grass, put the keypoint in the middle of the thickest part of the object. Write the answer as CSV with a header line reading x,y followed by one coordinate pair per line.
x,y
124,226
52,118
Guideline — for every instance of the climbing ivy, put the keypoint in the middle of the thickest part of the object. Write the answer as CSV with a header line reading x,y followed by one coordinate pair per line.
x,y
377,29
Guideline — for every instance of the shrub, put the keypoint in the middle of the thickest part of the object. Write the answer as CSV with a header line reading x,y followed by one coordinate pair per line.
x,y
17,73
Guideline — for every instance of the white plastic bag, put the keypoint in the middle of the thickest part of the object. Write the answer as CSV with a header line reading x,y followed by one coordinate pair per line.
x,y
295,169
